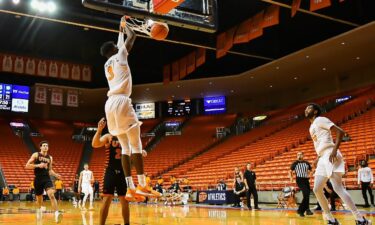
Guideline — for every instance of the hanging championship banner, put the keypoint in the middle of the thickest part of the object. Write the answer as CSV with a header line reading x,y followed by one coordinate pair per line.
x,y
76,73
7,63
57,96
86,73
30,66
72,98
40,95
53,70
41,67
19,65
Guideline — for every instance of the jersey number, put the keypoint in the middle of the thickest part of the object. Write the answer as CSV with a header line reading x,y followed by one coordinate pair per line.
x,y
118,153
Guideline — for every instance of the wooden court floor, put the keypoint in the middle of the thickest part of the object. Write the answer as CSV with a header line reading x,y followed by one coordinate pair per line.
x,y
22,213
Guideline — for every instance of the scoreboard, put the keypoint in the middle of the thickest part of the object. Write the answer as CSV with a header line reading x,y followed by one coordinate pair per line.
x,y
14,98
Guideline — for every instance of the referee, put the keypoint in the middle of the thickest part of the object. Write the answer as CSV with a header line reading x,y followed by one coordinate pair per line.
x,y
302,169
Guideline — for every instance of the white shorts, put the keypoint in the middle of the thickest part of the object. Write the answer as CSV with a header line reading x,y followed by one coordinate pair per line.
x,y
87,189
120,115
325,168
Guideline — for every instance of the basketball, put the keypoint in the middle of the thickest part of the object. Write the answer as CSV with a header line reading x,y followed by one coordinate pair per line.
x,y
159,31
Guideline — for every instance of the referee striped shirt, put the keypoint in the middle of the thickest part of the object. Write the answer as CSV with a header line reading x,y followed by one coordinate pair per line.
x,y
301,167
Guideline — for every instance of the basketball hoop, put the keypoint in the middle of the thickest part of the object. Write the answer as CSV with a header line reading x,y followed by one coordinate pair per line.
x,y
142,25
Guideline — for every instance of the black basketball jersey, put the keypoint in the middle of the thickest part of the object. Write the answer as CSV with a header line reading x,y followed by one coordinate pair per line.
x,y
113,155
42,159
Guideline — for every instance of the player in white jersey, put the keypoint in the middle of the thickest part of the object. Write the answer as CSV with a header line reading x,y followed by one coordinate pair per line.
x,y
86,179
330,163
121,118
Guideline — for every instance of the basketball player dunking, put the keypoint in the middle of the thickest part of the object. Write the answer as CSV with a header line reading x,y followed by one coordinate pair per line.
x,y
330,163
86,179
121,118
41,162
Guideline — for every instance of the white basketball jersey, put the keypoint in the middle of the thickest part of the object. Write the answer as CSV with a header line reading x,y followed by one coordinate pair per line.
x,y
320,131
117,71
86,177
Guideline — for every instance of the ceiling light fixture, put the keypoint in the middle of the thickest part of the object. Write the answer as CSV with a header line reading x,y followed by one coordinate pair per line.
x,y
324,69
357,58
16,2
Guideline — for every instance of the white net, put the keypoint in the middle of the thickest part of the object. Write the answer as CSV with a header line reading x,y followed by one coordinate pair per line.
x,y
142,25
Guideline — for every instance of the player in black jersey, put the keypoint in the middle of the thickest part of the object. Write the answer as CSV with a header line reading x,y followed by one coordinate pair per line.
x,y
114,177
41,163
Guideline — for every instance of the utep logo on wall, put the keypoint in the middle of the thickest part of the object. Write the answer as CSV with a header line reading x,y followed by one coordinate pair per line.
x,y
202,196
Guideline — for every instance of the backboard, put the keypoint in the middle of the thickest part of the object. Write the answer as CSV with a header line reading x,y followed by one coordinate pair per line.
x,y
192,14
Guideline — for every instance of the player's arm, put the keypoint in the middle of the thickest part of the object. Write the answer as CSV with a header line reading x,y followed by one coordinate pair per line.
x,y
51,172
130,38
125,46
339,134
80,182
30,163
98,140
246,184
359,177
291,171
92,177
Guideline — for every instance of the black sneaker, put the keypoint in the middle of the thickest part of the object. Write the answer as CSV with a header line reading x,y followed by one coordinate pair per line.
x,y
364,222
334,223
257,208
366,206
301,214
309,213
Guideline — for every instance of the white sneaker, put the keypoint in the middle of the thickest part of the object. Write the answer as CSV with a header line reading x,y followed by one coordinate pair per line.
x,y
58,217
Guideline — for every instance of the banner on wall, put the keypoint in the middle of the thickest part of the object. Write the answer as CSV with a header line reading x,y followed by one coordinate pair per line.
x,y
57,96
40,95
44,68
72,98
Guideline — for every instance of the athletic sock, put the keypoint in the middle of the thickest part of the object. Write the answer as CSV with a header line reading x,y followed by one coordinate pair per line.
x,y
130,183
142,180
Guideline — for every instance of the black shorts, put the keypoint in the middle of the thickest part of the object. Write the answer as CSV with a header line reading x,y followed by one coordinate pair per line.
x,y
41,184
114,179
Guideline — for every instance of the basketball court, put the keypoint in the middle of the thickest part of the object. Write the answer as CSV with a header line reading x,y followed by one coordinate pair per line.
x,y
23,213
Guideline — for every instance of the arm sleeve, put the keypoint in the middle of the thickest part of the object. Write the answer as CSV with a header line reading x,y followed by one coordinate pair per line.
x,y
325,123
